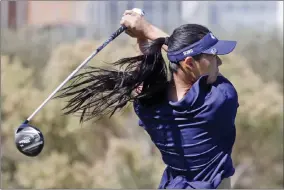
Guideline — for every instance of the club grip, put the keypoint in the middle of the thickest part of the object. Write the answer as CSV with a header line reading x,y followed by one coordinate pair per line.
x,y
118,32
121,29
112,37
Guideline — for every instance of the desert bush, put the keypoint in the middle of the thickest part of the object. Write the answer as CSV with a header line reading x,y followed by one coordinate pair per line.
x,y
263,51
34,44
67,143
259,143
116,153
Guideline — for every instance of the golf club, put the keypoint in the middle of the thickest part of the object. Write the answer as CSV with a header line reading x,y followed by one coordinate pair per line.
x,y
29,140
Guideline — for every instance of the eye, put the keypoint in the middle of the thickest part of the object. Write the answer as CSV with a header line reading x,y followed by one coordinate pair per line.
x,y
212,57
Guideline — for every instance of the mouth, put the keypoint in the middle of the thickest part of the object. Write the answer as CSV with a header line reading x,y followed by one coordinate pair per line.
x,y
218,71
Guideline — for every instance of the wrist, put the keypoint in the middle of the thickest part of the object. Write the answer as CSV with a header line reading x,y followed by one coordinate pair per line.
x,y
141,42
149,32
152,32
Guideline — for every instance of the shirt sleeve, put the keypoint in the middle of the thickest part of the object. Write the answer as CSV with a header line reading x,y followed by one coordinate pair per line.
x,y
231,103
141,124
136,110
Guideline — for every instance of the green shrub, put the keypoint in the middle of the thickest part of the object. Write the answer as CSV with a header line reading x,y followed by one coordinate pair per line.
x,y
116,153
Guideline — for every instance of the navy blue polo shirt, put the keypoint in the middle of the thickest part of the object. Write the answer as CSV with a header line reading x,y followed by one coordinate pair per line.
x,y
196,134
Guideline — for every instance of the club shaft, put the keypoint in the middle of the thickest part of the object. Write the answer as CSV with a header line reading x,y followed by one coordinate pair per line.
x,y
112,37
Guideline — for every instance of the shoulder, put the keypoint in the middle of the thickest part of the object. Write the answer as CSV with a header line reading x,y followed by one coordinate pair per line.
x,y
227,87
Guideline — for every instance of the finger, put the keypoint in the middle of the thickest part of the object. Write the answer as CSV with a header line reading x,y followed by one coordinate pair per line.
x,y
124,22
129,33
131,12
127,12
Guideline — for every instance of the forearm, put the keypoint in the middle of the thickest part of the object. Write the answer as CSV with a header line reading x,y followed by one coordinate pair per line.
x,y
152,32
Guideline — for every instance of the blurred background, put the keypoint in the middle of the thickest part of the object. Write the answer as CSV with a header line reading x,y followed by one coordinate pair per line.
x,y
42,42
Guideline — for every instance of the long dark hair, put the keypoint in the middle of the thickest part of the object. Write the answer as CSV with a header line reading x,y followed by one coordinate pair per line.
x,y
99,91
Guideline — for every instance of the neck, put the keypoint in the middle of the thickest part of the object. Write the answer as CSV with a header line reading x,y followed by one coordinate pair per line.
x,y
179,86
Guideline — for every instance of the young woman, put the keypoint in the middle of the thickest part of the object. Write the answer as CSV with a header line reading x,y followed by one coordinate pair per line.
x,y
188,110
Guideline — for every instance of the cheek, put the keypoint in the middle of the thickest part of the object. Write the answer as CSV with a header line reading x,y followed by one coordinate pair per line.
x,y
204,66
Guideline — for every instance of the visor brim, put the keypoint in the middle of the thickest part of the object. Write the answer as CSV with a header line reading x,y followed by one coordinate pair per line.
x,y
222,47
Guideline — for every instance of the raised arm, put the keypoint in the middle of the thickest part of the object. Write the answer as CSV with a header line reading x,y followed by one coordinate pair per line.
x,y
141,29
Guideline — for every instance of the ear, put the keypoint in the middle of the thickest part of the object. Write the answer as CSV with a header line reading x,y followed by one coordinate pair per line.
x,y
189,62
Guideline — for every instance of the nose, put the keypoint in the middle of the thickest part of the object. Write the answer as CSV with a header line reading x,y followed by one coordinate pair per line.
x,y
219,61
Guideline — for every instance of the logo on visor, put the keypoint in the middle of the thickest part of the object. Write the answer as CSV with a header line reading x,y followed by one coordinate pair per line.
x,y
212,36
187,52
214,51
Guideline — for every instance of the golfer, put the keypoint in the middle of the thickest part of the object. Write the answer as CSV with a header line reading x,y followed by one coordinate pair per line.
x,y
188,109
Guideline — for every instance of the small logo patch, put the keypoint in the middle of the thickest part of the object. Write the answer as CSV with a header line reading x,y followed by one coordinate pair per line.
x,y
214,51
187,52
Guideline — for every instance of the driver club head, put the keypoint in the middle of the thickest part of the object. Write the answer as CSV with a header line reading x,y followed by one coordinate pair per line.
x,y
29,140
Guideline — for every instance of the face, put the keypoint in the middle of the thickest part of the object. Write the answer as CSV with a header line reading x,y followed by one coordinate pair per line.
x,y
207,65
